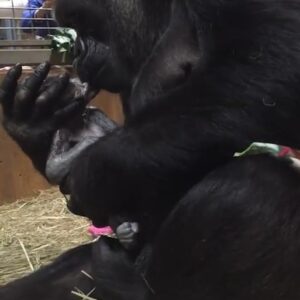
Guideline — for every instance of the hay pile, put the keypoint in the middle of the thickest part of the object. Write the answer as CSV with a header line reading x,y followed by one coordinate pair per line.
x,y
34,231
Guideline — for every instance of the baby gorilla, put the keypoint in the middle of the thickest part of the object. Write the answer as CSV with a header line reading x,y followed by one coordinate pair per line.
x,y
69,141
78,133
66,127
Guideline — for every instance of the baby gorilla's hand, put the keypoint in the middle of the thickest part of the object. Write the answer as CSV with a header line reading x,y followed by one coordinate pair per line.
x,y
127,234
33,113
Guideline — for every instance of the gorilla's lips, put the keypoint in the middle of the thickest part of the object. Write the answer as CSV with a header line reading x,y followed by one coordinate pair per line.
x,y
89,62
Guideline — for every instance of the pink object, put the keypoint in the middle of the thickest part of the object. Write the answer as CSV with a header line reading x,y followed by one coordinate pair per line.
x,y
285,151
95,231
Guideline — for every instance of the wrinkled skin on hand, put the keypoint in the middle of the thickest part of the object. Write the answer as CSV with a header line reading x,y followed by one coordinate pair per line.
x,y
35,108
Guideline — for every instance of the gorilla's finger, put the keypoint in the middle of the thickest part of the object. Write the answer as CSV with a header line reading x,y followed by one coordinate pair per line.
x,y
37,78
46,100
63,115
8,88
11,78
28,91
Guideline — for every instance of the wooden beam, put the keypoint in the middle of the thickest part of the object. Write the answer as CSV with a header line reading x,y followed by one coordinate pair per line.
x,y
25,43
24,56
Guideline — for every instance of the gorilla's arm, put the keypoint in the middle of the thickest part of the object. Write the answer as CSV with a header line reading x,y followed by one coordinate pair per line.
x,y
153,161
111,274
56,280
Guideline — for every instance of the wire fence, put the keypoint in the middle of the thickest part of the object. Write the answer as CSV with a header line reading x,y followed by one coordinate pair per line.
x,y
16,25
24,37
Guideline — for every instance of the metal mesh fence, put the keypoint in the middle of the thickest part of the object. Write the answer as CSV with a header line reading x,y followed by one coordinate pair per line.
x,y
15,25
24,38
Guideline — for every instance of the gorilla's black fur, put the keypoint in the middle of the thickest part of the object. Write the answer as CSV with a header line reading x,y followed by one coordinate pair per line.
x,y
222,75
233,236
55,281
200,79
101,270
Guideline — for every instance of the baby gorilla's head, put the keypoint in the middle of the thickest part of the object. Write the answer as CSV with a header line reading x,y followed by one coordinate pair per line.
x,y
78,133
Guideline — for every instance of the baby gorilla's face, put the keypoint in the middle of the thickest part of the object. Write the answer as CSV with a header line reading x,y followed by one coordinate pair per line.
x,y
78,133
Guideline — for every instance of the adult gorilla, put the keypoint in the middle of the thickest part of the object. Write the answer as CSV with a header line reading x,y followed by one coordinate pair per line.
x,y
200,80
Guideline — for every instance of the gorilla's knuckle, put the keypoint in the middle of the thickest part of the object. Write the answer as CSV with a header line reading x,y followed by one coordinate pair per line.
x,y
42,100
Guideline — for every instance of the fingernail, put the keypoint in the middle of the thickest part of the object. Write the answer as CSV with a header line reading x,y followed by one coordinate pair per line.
x,y
45,66
19,66
17,69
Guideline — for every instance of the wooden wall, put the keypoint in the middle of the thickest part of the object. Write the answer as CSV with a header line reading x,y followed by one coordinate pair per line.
x,y
18,179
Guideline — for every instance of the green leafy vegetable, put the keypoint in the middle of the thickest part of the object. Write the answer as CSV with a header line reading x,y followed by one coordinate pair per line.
x,y
63,40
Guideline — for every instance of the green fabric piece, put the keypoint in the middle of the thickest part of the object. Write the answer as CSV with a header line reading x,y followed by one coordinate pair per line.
x,y
259,148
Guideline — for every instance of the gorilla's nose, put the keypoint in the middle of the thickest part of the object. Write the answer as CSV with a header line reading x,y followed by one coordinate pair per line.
x,y
79,48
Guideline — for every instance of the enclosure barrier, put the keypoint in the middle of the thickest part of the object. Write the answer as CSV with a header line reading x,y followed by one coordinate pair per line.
x,y
17,45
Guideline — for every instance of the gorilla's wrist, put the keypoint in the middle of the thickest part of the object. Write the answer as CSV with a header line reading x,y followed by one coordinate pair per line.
x,y
38,155
36,148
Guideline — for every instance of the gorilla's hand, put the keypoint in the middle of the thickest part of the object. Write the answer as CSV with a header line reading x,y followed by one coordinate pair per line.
x,y
33,112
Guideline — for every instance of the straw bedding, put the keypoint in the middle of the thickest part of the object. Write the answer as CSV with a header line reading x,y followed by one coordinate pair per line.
x,y
34,231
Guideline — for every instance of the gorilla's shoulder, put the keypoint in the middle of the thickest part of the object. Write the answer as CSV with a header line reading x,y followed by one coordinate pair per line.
x,y
252,49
